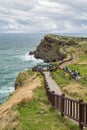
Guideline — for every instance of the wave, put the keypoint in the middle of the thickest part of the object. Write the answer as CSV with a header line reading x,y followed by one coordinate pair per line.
x,y
6,90
4,93
31,58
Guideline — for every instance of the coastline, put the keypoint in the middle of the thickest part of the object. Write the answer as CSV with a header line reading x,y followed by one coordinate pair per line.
x,y
26,83
24,93
14,58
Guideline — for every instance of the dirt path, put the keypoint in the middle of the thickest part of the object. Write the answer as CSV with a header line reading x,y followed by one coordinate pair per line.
x,y
52,84
72,59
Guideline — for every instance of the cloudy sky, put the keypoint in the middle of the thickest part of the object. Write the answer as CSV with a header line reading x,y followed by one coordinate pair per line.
x,y
67,16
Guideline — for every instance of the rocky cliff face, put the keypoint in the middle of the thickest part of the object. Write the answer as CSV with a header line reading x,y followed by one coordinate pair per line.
x,y
49,48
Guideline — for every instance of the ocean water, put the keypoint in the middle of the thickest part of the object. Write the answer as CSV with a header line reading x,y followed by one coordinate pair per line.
x,y
14,50
14,58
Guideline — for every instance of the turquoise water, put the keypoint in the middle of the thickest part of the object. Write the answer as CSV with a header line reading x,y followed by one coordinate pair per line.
x,y
14,49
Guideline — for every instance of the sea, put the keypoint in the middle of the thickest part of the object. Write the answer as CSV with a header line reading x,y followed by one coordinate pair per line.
x,y
14,58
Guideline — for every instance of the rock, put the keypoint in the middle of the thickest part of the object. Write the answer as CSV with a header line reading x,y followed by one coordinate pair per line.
x,y
30,53
49,48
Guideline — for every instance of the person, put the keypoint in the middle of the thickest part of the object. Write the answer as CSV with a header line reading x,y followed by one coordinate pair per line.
x,y
78,75
63,74
50,66
51,70
39,68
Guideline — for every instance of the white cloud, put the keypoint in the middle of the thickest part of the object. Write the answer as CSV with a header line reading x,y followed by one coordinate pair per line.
x,y
43,16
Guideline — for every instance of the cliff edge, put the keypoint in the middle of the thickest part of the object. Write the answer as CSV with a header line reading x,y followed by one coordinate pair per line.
x,y
50,46
26,83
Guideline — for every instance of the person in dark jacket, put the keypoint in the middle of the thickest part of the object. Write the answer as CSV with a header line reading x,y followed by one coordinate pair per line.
x,y
51,70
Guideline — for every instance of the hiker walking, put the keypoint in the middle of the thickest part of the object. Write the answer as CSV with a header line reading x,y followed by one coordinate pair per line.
x,y
51,70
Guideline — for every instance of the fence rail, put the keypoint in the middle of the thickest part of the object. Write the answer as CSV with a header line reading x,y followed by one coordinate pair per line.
x,y
76,110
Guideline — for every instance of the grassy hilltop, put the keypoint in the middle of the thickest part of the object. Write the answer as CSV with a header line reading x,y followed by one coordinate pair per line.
x,y
28,107
51,46
76,89
25,110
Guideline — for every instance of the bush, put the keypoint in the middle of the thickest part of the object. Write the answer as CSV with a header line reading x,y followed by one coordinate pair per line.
x,y
22,76
85,51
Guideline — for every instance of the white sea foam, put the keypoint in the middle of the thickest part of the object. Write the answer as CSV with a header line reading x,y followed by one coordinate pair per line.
x,y
31,58
7,90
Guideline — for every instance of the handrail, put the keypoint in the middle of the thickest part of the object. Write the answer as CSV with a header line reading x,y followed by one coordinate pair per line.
x,y
74,109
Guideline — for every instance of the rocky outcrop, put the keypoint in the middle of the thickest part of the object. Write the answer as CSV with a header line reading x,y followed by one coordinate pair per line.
x,y
49,48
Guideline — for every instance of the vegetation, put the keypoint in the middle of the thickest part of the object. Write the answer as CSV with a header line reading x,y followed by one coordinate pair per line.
x,y
60,79
38,114
22,77
50,47
81,53
82,70
74,88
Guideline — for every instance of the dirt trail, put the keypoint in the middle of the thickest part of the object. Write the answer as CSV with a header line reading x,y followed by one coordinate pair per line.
x,y
51,83
72,59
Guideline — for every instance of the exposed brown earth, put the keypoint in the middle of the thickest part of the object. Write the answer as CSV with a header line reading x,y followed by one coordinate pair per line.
x,y
8,111
74,89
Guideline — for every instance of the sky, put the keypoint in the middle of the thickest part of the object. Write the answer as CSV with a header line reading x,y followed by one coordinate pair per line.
x,y
48,16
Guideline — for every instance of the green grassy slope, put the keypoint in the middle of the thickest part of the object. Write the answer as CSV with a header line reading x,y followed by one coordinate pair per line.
x,y
38,114
69,86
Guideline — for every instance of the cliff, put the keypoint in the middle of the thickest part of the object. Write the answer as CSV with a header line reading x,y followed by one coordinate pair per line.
x,y
50,46
26,83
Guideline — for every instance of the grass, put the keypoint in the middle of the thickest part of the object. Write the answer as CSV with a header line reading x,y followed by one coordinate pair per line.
x,y
60,79
83,58
22,77
82,50
71,87
74,89
83,71
38,114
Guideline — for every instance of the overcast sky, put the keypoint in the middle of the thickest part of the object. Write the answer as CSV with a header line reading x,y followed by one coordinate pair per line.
x,y
67,16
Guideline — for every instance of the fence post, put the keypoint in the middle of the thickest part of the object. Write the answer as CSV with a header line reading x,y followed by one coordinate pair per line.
x,y
62,104
53,93
48,94
80,114
46,84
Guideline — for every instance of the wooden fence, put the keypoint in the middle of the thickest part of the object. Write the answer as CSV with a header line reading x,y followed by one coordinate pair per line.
x,y
76,110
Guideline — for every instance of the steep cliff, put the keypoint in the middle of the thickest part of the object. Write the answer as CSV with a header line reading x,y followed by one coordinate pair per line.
x,y
26,83
49,48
